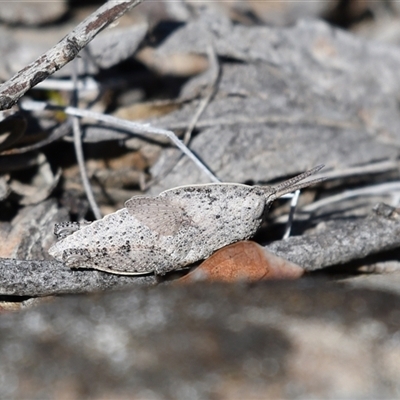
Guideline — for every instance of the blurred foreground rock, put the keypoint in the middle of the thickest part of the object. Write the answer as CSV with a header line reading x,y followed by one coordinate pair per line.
x,y
271,340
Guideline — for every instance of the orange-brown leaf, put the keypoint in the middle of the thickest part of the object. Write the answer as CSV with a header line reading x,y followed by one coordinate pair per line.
x,y
243,261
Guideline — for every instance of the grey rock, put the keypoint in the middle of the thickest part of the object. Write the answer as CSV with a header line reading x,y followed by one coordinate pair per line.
x,y
293,340
388,282
296,97
116,45
32,12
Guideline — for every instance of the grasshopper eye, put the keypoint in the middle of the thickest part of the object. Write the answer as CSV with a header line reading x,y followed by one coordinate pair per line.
x,y
259,208
252,208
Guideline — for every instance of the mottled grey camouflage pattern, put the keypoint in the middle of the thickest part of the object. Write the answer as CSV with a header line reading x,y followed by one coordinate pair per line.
x,y
177,228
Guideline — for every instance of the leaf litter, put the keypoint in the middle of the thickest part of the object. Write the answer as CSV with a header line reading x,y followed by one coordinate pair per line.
x,y
280,105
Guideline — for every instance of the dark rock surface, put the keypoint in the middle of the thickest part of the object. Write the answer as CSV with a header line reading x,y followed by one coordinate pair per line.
x,y
274,340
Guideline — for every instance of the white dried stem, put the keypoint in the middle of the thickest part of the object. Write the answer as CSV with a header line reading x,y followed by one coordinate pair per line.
x,y
87,84
293,205
373,190
215,70
81,162
142,129
79,152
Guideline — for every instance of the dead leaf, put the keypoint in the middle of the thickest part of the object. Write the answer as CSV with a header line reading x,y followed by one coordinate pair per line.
x,y
41,185
178,63
243,261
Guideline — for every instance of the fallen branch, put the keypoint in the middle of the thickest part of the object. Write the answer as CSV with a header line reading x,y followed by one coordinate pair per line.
x,y
63,52
350,241
42,278
347,242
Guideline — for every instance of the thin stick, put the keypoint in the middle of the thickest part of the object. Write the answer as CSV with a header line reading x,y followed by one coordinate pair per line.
x,y
76,127
62,130
83,85
374,168
63,52
390,187
293,205
214,68
365,191
82,169
211,88
134,127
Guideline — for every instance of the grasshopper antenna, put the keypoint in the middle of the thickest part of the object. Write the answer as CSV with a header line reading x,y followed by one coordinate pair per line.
x,y
291,185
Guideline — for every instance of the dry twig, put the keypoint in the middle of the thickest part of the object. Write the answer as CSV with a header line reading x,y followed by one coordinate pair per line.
x,y
42,278
137,128
373,190
211,89
76,127
63,52
60,131
346,242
